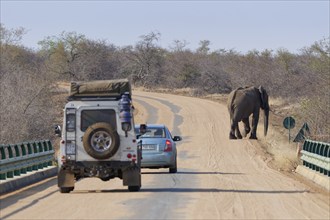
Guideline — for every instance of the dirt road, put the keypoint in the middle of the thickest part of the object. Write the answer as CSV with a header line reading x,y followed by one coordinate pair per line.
x,y
217,178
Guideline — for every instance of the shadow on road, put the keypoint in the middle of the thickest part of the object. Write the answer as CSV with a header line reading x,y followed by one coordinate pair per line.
x,y
10,200
178,119
193,173
192,190
207,190
101,191
7,199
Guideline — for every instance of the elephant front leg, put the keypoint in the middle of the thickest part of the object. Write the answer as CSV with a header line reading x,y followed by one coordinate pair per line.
x,y
247,128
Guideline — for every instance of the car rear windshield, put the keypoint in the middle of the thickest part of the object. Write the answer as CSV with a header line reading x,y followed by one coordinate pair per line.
x,y
89,117
152,133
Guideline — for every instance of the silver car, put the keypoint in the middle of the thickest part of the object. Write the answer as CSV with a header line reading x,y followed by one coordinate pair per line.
x,y
158,146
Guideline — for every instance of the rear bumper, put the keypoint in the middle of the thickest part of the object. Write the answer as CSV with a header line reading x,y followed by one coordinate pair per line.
x,y
162,160
97,169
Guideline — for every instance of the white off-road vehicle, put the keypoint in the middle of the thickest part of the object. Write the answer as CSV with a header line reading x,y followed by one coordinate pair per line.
x,y
98,137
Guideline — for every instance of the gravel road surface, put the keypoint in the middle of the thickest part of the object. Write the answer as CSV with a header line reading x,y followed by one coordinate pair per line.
x,y
217,178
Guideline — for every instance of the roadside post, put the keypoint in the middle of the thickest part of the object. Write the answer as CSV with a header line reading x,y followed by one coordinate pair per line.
x,y
289,123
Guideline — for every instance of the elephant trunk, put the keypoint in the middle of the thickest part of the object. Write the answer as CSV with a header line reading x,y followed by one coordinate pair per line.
x,y
266,116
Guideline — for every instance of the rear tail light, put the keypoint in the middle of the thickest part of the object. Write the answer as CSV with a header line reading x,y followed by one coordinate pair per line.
x,y
168,147
134,158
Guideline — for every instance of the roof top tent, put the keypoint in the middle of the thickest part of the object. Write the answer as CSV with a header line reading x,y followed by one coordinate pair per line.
x,y
100,89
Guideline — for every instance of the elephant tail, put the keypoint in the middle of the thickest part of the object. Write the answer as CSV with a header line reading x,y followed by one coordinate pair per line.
x,y
233,98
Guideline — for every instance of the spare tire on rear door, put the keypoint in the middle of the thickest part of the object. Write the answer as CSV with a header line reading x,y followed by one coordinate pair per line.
x,y
101,141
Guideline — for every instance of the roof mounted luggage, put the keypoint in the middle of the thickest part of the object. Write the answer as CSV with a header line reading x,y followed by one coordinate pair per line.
x,y
100,89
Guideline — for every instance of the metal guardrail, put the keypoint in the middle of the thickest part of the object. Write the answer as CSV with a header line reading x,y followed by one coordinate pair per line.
x,y
316,156
17,159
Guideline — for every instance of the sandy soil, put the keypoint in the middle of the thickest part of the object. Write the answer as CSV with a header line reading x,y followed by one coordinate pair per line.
x,y
217,178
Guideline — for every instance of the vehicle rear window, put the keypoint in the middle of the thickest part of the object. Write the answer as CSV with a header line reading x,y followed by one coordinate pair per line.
x,y
152,133
89,117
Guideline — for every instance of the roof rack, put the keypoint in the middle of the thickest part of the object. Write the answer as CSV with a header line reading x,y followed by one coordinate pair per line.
x,y
93,98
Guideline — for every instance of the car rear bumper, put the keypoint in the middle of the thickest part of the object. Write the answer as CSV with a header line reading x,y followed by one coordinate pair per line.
x,y
162,160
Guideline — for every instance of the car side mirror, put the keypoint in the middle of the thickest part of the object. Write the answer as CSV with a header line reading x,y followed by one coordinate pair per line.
x,y
58,131
143,129
177,138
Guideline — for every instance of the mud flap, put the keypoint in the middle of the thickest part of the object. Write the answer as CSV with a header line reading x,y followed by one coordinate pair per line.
x,y
65,179
132,176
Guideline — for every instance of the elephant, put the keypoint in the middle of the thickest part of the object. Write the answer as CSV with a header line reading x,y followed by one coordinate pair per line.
x,y
243,102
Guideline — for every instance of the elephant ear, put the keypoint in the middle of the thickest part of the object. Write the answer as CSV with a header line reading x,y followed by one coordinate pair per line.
x,y
262,95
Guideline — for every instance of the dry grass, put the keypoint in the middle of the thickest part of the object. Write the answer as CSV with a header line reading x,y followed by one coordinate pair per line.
x,y
282,154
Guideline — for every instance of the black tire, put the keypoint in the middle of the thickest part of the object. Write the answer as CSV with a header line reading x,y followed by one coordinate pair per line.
x,y
105,178
101,141
134,188
174,169
66,189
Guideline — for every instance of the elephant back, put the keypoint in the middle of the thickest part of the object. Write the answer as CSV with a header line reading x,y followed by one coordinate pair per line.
x,y
240,97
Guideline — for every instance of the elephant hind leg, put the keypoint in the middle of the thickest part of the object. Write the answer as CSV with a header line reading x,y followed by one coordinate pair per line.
x,y
247,128
232,136
233,126
253,137
255,118
238,133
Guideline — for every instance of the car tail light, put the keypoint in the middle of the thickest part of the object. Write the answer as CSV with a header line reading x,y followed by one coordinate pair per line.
x,y
168,146
134,158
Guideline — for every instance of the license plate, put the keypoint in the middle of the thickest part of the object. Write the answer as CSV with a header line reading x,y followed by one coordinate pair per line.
x,y
70,148
148,147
